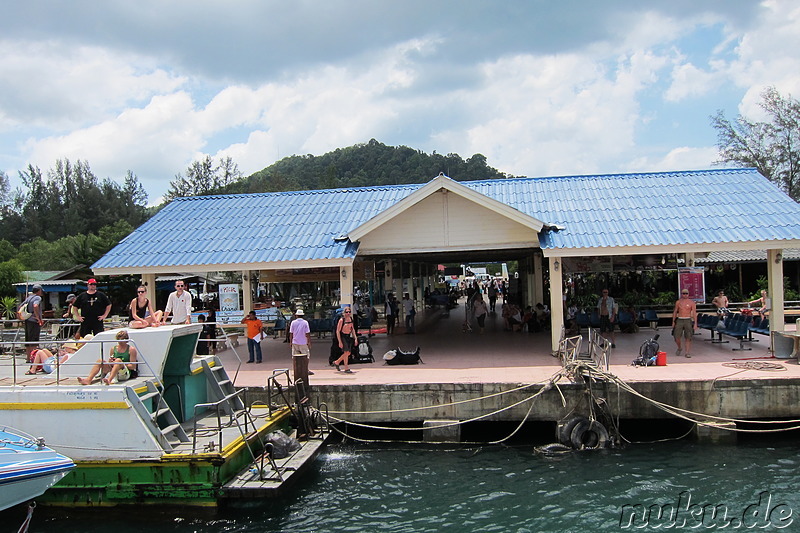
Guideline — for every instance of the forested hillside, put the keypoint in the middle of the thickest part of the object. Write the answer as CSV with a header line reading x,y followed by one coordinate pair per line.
x,y
372,163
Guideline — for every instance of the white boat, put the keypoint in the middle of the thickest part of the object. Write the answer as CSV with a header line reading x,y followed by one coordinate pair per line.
x,y
27,467
174,435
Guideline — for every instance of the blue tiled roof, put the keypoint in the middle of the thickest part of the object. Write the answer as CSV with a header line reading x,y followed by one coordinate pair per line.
x,y
622,210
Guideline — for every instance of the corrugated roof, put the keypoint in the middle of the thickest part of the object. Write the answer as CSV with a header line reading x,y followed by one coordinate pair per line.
x,y
619,210
745,256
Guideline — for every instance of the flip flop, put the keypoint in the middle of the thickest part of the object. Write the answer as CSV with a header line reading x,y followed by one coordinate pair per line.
x,y
348,371
29,373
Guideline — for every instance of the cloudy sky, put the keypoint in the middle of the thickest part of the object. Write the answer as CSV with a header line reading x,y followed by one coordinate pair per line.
x,y
539,87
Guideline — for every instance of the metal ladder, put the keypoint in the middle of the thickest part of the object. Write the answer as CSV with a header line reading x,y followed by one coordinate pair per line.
x,y
172,432
222,388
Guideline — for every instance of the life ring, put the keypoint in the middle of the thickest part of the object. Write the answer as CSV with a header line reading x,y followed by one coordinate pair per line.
x,y
589,434
565,429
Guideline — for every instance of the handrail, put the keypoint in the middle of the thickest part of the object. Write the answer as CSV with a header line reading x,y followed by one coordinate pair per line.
x,y
216,406
55,343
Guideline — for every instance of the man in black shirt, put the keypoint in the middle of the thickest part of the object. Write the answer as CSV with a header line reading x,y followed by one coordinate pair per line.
x,y
94,307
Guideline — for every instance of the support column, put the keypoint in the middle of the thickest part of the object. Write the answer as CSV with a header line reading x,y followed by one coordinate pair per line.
x,y
247,291
346,284
538,281
149,281
556,301
419,290
530,290
389,283
775,289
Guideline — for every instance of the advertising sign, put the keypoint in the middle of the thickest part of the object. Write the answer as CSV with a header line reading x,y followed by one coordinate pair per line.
x,y
229,298
693,280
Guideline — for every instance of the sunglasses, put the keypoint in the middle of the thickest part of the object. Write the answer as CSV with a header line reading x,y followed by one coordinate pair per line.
x,y
348,312
141,292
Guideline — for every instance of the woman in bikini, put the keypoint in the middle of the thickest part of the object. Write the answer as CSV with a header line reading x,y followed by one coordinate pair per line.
x,y
346,335
142,314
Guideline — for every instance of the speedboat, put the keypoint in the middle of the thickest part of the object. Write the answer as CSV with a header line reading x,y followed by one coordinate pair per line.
x,y
27,467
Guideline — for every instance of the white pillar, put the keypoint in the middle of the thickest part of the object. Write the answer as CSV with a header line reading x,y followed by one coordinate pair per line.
x,y
556,301
346,284
538,281
247,292
530,295
389,283
775,289
149,281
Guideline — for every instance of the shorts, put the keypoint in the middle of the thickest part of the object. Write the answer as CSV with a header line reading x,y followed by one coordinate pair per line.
x,y
605,324
347,343
49,364
300,349
685,327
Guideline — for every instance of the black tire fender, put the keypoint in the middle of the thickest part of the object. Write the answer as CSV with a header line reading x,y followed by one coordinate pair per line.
x,y
565,429
589,435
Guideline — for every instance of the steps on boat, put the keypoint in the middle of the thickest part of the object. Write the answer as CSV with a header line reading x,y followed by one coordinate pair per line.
x,y
161,421
222,387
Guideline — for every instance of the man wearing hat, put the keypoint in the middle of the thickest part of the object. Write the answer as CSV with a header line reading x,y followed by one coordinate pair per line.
x,y
33,324
94,307
300,336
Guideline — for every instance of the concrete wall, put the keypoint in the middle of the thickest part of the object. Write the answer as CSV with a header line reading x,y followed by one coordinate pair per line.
x,y
747,399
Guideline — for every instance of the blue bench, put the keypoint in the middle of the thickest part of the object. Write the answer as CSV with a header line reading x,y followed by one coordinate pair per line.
x,y
709,322
737,326
760,326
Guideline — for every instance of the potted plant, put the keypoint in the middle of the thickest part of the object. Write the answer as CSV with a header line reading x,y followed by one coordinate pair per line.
x,y
8,309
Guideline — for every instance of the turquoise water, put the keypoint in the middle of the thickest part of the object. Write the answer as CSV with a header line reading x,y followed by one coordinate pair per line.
x,y
419,488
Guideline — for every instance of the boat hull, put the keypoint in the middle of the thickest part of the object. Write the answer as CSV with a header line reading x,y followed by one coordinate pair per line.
x,y
175,479
27,468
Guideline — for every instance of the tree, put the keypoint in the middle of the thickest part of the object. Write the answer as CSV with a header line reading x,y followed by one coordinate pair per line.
x,y
772,147
203,177
10,273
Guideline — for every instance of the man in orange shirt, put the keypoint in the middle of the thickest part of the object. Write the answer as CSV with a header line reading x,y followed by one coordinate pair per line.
x,y
254,336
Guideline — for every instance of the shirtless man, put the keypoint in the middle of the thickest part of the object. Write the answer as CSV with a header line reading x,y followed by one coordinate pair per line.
x,y
720,301
684,322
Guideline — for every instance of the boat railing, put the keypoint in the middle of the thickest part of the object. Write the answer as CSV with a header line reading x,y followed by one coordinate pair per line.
x,y
276,390
218,407
17,349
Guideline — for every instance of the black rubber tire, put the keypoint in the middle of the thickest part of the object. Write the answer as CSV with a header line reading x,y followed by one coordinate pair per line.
x,y
565,430
589,435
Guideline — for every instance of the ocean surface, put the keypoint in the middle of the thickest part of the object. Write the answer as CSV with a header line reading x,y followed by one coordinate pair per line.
x,y
419,488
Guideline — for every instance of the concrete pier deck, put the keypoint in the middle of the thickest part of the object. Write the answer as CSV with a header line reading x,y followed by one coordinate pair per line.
x,y
462,366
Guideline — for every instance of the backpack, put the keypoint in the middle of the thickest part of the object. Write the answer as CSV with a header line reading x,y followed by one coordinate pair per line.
x,y
22,310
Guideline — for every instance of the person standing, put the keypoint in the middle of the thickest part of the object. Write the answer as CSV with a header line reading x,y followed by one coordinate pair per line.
x,y
479,310
607,309
492,295
390,311
254,335
347,336
179,303
211,328
408,309
684,322
94,307
300,336
34,323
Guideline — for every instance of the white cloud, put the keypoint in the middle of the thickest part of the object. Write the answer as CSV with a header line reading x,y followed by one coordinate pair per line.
x,y
53,85
680,158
